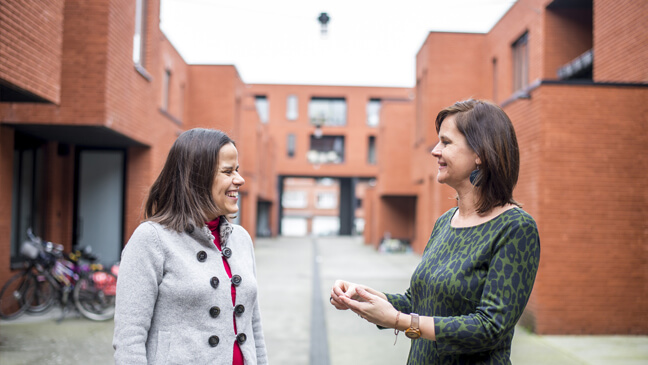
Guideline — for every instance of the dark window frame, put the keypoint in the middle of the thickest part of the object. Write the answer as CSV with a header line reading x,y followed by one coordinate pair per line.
x,y
520,50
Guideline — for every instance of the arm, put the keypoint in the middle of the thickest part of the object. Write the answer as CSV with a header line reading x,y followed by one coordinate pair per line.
x,y
507,289
259,339
257,328
140,273
402,302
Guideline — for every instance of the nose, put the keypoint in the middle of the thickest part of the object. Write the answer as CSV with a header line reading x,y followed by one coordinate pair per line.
x,y
238,179
436,151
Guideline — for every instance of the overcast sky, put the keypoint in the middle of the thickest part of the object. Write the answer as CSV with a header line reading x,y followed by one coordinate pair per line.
x,y
369,42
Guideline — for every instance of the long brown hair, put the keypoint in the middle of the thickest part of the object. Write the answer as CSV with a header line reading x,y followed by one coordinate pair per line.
x,y
490,134
182,194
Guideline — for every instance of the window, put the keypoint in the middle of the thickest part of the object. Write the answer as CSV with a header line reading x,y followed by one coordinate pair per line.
x,y
326,149
166,82
579,68
371,152
325,181
139,44
262,107
294,199
27,209
294,226
326,226
326,200
291,107
291,145
327,111
373,112
521,62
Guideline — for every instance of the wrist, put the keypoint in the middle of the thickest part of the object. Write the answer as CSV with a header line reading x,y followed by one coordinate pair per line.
x,y
413,331
404,322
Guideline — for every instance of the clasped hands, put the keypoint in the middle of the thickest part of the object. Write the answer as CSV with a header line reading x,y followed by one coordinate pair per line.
x,y
368,303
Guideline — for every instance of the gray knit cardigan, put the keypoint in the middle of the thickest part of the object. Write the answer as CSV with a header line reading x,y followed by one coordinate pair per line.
x,y
174,302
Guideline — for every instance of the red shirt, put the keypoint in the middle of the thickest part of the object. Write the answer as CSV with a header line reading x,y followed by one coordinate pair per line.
x,y
213,227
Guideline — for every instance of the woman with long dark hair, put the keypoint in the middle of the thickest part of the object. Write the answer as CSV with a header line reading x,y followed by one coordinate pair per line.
x,y
187,289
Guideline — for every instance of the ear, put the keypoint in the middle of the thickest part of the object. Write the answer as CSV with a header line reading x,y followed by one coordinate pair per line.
x,y
477,160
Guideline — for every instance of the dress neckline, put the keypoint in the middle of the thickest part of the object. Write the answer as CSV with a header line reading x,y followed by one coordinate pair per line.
x,y
456,209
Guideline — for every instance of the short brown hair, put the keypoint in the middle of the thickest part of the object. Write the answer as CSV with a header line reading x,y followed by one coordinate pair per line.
x,y
182,194
490,134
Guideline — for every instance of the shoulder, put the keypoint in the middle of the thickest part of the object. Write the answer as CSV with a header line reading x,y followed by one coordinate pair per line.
x,y
447,216
150,235
518,226
518,217
449,213
146,231
240,234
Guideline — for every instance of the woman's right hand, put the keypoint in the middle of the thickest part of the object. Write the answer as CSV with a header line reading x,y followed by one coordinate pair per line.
x,y
347,288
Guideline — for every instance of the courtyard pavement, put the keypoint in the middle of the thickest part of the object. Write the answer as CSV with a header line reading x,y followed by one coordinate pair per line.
x,y
295,276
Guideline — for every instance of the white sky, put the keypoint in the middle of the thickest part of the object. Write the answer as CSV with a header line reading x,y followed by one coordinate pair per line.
x,y
369,42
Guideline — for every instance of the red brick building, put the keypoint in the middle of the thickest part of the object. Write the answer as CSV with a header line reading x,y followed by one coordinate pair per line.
x,y
326,131
93,98
92,95
573,77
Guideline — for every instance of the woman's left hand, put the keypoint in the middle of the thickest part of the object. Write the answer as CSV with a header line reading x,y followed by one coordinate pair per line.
x,y
372,308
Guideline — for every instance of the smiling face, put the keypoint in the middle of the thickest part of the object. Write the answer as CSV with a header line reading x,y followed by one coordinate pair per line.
x,y
227,181
456,159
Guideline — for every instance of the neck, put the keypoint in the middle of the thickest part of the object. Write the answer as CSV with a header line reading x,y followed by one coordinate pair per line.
x,y
466,201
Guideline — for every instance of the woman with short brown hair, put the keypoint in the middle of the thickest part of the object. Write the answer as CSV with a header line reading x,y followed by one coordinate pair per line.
x,y
480,263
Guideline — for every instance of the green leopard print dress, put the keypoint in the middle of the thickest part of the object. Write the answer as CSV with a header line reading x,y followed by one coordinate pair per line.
x,y
475,282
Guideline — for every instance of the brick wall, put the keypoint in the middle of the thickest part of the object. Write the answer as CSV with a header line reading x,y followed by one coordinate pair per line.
x,y
620,42
30,46
592,211
395,190
394,143
356,131
582,149
212,97
59,194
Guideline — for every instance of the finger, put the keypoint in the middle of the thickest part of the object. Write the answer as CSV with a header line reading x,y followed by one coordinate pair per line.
x,y
341,284
336,293
335,299
364,294
336,302
350,303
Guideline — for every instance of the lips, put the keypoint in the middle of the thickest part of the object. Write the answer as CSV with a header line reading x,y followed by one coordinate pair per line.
x,y
232,194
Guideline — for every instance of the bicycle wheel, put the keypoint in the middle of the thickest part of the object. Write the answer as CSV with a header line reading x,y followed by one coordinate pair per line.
x,y
94,295
16,295
43,298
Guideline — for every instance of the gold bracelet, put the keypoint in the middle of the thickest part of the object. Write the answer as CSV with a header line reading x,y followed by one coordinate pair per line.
x,y
396,327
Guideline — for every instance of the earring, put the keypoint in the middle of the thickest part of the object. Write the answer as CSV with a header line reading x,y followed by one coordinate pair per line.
x,y
473,176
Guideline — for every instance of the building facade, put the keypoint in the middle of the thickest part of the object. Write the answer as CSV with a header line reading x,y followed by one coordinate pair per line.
x,y
90,104
92,100
326,132
573,77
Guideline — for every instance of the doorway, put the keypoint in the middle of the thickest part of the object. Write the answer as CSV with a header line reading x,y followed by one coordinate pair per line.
x,y
99,208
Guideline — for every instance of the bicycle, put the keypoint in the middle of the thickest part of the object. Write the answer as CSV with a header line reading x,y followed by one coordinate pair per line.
x,y
51,275
30,289
95,289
